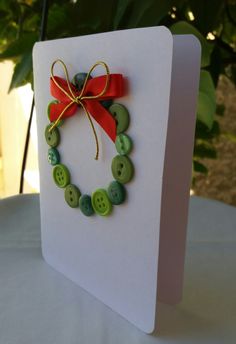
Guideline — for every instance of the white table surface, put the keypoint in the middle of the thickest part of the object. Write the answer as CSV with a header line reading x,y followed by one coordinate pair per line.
x,y
40,306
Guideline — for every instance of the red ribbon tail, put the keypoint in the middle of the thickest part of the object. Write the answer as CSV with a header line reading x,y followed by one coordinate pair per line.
x,y
103,117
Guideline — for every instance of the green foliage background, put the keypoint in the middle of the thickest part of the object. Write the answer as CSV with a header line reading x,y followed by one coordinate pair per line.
x,y
20,25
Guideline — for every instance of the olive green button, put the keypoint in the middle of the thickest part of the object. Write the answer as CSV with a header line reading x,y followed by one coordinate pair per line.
x,y
72,195
52,137
123,144
116,192
79,79
85,205
122,169
53,156
101,203
121,115
61,175
60,122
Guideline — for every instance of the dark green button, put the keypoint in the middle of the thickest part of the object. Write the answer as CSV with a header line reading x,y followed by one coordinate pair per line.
x,y
123,144
79,79
107,103
52,137
72,195
53,156
101,203
121,115
122,169
85,205
116,192
48,112
61,175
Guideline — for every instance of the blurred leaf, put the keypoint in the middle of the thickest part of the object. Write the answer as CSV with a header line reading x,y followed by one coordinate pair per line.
x,y
204,133
151,13
123,12
57,17
207,14
183,27
139,13
204,150
220,109
205,109
199,167
216,67
206,106
228,32
20,46
22,71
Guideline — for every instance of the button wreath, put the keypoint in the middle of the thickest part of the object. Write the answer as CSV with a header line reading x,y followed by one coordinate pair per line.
x,y
96,97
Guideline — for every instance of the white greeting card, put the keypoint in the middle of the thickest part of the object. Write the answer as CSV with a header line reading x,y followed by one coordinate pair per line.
x,y
137,252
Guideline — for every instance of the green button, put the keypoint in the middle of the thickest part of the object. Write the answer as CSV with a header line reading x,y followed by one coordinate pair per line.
x,y
85,205
72,195
48,112
52,137
122,169
116,192
121,115
101,203
79,79
123,144
61,175
53,156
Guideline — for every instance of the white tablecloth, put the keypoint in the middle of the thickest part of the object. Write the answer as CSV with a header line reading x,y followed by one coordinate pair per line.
x,y
40,306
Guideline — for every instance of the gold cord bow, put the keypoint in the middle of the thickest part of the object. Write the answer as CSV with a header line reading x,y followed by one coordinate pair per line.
x,y
79,99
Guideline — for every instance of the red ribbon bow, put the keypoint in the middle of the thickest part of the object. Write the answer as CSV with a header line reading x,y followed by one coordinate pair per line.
x,y
99,88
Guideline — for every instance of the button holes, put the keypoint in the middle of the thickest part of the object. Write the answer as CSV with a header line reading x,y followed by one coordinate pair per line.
x,y
119,173
71,192
71,199
114,114
104,205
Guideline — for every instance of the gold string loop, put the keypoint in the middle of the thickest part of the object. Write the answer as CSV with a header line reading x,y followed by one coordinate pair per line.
x,y
79,99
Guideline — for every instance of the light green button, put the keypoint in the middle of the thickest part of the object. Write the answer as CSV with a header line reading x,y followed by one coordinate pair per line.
x,y
101,203
123,144
52,137
72,195
61,175
122,169
121,115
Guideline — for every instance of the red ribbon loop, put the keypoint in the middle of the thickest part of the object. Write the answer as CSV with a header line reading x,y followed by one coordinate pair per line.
x,y
93,87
